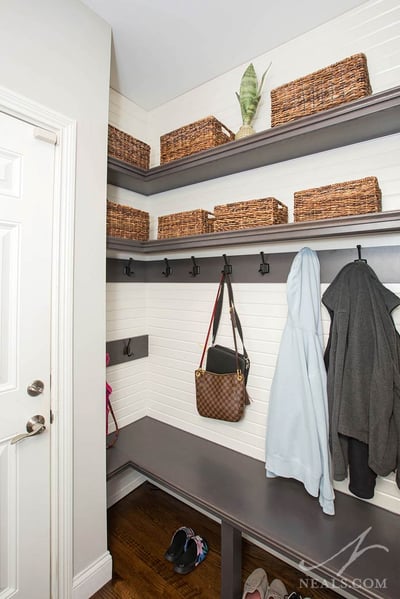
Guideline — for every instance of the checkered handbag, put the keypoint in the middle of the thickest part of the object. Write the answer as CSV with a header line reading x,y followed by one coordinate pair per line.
x,y
221,396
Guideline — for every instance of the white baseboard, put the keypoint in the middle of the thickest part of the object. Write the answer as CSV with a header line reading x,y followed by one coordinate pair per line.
x,y
122,484
95,576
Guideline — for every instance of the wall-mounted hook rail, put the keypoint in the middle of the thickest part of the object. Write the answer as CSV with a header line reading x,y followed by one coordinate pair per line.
x,y
127,349
195,268
168,270
264,266
121,350
359,259
227,267
128,268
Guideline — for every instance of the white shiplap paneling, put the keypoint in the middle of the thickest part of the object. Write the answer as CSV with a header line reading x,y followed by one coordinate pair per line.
x,y
127,116
177,334
176,315
126,317
373,28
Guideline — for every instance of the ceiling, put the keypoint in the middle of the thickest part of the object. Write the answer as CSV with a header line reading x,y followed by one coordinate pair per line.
x,y
164,48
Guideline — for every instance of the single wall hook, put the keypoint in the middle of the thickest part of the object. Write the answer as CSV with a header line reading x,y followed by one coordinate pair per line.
x,y
168,270
128,268
127,348
264,266
195,269
227,270
359,259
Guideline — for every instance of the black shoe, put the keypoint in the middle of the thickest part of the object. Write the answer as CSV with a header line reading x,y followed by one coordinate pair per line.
x,y
195,552
178,542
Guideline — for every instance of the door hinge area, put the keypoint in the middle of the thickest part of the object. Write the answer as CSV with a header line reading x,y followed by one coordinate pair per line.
x,y
51,416
45,135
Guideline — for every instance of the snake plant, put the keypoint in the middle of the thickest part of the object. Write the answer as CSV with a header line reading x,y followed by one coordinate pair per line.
x,y
250,93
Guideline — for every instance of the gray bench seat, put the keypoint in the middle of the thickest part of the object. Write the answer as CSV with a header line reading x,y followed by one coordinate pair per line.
x,y
276,512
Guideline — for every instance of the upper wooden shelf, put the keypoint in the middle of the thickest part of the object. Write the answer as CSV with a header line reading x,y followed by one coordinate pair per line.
x,y
361,225
374,116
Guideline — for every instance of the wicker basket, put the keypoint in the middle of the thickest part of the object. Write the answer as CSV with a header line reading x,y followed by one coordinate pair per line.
x,y
127,222
250,214
181,224
340,199
336,84
190,139
128,149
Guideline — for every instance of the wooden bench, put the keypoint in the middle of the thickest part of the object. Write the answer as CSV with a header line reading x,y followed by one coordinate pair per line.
x,y
276,512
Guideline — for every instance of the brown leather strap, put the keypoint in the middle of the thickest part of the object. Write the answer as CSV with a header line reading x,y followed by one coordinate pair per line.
x,y
232,312
236,316
220,287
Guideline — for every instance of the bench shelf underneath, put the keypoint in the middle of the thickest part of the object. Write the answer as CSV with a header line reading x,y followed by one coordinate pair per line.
x,y
276,512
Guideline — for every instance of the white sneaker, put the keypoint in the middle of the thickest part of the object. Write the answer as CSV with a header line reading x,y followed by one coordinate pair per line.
x,y
276,590
256,585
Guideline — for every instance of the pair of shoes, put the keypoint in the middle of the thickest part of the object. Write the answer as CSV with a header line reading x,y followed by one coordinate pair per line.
x,y
187,550
256,585
276,590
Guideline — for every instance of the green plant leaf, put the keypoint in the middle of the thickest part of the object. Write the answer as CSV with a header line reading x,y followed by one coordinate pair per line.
x,y
262,79
249,95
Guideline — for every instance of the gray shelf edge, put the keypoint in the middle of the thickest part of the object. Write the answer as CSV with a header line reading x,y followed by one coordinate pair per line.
x,y
374,116
367,224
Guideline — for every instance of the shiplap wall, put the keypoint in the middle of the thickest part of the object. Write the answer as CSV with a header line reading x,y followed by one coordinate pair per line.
x,y
373,28
176,315
126,317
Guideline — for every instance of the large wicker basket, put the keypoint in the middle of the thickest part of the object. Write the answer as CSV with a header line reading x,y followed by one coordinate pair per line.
x,y
360,196
128,149
127,222
202,135
249,214
336,84
181,224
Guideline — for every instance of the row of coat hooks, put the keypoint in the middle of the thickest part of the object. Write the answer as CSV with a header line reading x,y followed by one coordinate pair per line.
x,y
195,271
227,267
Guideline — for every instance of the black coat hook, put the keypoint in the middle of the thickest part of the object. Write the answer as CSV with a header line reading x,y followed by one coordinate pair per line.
x,y
227,270
168,270
264,266
195,269
359,259
127,349
128,268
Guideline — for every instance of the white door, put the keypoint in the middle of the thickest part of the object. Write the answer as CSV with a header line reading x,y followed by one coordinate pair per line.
x,y
26,195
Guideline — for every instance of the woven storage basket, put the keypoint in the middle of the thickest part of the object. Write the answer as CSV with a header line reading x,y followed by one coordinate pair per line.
x,y
181,224
127,222
190,139
128,149
250,214
336,84
340,199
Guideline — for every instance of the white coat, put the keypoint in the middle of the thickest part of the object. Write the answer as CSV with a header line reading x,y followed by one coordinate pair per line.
x,y
297,439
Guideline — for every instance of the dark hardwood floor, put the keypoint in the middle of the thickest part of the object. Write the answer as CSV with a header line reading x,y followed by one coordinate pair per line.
x,y
140,528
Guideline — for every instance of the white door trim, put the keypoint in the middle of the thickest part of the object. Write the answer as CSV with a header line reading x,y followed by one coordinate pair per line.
x,y
62,332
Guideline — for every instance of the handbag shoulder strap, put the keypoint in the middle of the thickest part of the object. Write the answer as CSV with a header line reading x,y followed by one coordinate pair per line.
x,y
219,291
218,311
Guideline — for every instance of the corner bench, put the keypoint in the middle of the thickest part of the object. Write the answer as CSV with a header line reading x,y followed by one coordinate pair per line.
x,y
276,512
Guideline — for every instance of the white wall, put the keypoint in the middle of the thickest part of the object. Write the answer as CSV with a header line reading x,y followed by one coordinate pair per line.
x,y
57,52
177,314
373,28
128,116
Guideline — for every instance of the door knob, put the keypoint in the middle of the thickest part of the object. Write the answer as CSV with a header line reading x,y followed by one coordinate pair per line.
x,y
36,388
34,426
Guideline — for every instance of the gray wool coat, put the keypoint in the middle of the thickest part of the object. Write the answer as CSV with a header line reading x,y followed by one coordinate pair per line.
x,y
363,370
